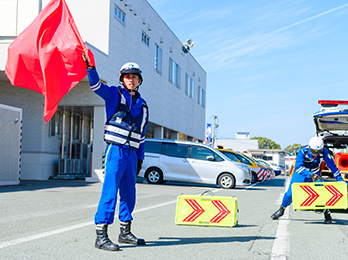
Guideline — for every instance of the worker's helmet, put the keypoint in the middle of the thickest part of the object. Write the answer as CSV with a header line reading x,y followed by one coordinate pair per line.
x,y
131,68
316,145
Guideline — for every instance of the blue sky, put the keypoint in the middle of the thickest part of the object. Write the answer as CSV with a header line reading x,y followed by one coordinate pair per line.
x,y
267,62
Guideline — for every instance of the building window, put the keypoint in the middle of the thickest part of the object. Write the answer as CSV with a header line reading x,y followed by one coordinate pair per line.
x,y
55,124
76,127
145,38
158,59
189,86
120,15
174,73
201,96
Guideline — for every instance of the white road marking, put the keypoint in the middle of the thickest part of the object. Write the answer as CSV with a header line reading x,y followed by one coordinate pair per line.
x,y
66,229
41,235
281,244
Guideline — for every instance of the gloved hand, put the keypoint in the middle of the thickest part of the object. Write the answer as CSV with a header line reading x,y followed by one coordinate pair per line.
x,y
314,177
89,62
140,164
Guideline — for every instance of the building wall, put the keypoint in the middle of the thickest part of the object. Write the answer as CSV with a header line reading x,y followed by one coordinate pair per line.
x,y
238,145
112,44
10,143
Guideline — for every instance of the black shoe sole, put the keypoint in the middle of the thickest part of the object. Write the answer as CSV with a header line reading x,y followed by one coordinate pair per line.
x,y
106,248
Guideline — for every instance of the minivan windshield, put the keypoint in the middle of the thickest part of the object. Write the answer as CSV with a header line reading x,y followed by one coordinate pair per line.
x,y
236,157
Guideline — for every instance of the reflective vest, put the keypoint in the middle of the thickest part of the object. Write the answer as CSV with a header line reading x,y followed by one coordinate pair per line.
x,y
313,165
122,129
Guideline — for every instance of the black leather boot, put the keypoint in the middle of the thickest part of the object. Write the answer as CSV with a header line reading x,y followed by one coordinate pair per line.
x,y
127,237
327,216
103,241
278,213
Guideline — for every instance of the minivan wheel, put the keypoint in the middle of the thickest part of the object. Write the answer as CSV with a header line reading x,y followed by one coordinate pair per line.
x,y
227,181
253,177
154,176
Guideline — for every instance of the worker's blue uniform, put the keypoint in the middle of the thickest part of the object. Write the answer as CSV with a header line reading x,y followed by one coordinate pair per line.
x,y
125,139
305,165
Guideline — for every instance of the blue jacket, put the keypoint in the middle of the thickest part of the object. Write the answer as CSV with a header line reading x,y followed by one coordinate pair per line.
x,y
112,99
306,164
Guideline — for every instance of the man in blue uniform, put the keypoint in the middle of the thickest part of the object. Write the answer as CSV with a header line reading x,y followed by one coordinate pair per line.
x,y
124,133
307,169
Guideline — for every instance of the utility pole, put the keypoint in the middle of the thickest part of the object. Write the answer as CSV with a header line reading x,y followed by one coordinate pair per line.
x,y
215,125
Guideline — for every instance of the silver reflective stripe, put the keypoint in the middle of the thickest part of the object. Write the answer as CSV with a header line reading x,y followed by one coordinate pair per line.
x,y
300,169
107,156
134,144
316,170
116,130
337,173
115,139
96,86
144,119
136,136
123,99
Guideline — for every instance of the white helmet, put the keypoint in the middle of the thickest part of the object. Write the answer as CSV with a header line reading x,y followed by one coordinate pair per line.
x,y
131,68
316,145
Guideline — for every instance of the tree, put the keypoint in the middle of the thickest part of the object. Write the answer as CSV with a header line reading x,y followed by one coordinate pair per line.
x,y
293,149
265,143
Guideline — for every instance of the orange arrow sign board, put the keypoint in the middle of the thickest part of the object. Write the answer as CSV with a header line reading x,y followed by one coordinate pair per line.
x,y
206,210
319,195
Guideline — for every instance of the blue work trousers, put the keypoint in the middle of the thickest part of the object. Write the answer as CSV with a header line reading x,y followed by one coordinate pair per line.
x,y
120,175
287,199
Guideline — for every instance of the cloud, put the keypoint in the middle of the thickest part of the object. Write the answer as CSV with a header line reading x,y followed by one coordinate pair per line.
x,y
260,43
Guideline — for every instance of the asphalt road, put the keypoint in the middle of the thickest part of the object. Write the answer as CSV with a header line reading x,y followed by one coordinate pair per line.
x,y
54,220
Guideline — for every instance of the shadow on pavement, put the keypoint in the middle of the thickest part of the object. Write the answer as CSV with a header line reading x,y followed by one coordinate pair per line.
x,y
256,186
278,181
39,185
171,241
243,226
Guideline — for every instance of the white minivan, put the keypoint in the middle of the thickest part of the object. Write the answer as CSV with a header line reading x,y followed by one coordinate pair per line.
x,y
184,161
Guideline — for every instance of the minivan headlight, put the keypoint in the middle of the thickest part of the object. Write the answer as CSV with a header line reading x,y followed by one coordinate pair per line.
x,y
243,167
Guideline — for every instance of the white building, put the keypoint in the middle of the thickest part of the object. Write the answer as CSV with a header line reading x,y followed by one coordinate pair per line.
x,y
241,143
117,31
238,145
276,156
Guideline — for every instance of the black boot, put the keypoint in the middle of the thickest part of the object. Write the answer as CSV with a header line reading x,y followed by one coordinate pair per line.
x,y
327,216
127,237
278,213
103,241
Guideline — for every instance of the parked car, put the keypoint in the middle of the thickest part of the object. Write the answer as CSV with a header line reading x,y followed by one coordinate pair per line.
x,y
277,170
270,172
184,161
264,172
237,157
331,124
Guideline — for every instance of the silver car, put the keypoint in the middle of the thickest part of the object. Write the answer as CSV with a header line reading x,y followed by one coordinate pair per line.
x,y
184,161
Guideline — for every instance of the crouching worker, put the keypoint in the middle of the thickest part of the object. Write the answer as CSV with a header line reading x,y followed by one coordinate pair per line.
x,y
307,169
127,117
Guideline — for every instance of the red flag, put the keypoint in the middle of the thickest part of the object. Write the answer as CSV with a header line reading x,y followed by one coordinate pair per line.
x,y
47,56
